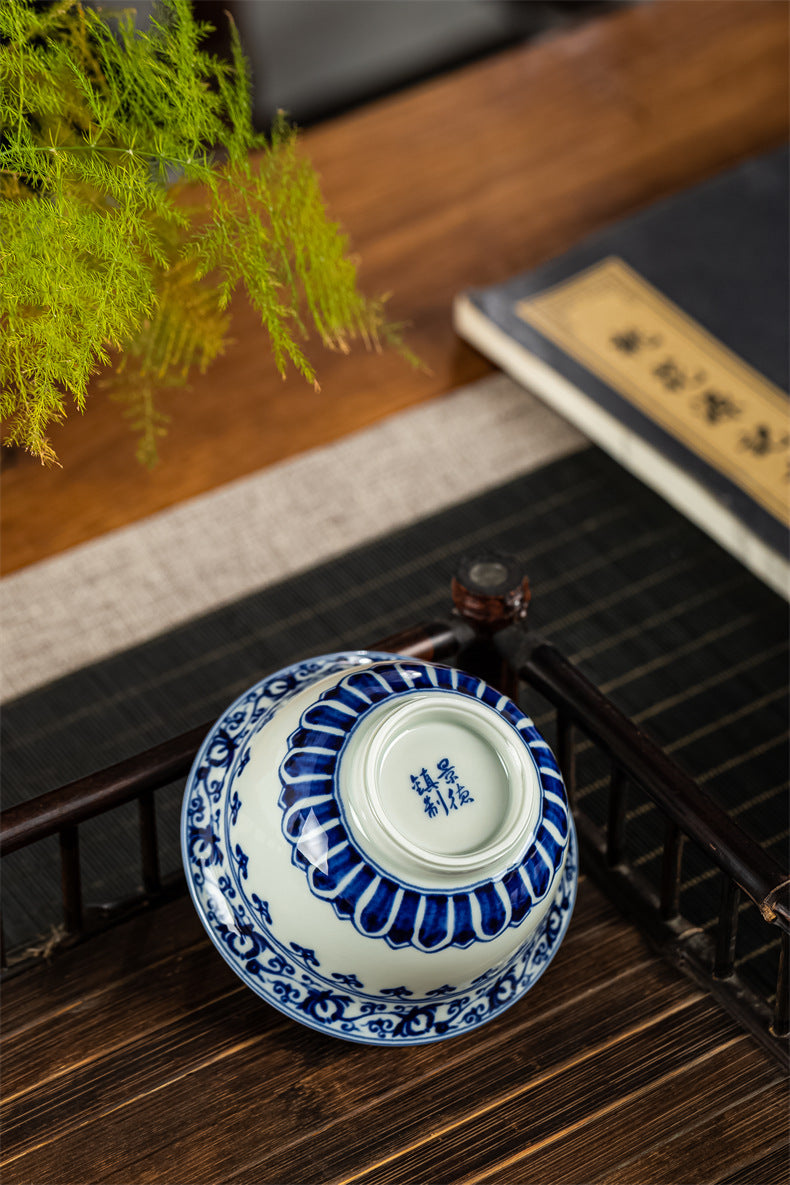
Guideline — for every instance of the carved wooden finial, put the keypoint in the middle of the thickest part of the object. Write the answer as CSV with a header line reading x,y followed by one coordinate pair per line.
x,y
490,591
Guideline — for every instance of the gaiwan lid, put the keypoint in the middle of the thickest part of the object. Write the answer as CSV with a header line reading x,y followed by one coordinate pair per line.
x,y
389,825
410,778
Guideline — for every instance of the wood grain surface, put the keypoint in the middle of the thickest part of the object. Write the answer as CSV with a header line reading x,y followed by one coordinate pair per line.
x,y
140,1058
460,182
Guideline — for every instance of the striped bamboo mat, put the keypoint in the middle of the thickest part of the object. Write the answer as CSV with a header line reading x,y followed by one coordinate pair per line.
x,y
680,636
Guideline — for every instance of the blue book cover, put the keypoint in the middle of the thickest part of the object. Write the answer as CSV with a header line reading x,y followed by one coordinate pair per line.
x,y
665,339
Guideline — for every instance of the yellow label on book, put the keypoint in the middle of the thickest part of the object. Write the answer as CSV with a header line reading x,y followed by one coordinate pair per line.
x,y
654,355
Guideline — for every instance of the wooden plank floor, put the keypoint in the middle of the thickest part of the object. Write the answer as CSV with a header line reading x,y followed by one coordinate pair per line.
x,y
139,1057
464,181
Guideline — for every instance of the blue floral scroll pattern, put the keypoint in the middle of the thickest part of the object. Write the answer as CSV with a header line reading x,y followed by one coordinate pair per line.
x,y
292,980
225,753
378,905
342,1006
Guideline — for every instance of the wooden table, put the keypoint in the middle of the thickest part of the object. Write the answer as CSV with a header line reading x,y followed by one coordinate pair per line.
x,y
462,181
138,1057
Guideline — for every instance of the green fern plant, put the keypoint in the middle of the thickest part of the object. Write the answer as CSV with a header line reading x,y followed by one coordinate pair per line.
x,y
105,130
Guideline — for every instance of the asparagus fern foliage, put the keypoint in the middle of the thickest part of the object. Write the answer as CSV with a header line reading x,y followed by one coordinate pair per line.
x,y
105,131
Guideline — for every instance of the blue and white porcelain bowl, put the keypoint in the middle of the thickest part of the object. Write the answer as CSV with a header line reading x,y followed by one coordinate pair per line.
x,y
381,848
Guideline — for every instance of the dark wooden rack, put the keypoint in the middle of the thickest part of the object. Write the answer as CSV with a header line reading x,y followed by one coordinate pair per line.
x,y
487,635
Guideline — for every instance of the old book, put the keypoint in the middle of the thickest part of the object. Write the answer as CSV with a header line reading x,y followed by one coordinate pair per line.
x,y
664,338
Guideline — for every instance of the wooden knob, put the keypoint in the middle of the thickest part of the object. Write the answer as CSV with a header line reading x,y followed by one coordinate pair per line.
x,y
490,591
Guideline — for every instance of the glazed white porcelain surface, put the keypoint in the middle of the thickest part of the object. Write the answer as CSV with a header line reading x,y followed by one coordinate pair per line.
x,y
380,848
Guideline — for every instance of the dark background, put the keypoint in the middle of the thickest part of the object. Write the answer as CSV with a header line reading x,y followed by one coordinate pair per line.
x,y
318,58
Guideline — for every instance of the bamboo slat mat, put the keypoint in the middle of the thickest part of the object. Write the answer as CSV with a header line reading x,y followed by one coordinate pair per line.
x,y
678,634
